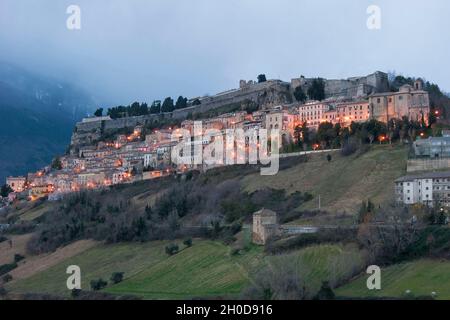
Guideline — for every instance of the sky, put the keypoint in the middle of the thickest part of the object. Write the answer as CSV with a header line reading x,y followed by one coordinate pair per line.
x,y
142,50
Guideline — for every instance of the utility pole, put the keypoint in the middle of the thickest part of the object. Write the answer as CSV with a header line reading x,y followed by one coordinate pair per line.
x,y
319,202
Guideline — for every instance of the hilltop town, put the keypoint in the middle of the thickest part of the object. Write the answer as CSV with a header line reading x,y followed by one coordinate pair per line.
x,y
363,179
111,149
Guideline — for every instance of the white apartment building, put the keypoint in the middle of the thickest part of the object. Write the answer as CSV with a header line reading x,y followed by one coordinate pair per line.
x,y
428,188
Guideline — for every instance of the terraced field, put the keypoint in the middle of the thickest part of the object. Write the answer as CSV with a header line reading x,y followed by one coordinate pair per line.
x,y
207,269
421,278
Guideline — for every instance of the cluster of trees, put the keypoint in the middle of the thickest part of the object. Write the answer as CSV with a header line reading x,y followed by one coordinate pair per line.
x,y
57,164
439,100
5,190
109,216
316,91
262,78
335,136
99,284
386,234
140,109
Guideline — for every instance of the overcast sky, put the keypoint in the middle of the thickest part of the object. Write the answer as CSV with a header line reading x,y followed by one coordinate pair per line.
x,y
143,50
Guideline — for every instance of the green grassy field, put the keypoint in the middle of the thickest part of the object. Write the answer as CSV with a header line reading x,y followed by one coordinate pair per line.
x,y
342,183
207,269
100,261
421,277
204,269
320,263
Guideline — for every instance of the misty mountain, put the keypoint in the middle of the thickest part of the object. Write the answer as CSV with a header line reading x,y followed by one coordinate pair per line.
x,y
37,115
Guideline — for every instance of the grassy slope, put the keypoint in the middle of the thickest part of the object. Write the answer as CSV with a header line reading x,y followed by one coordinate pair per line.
x,y
344,182
204,270
421,277
323,263
207,269
100,261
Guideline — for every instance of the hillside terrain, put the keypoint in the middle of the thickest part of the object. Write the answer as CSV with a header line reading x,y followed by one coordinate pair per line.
x,y
38,115
207,269
341,183
419,277
227,267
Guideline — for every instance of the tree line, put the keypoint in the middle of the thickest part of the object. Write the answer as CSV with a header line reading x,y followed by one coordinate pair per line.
x,y
141,109
330,135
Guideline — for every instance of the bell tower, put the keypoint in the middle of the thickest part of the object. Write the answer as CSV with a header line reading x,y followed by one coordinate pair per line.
x,y
418,84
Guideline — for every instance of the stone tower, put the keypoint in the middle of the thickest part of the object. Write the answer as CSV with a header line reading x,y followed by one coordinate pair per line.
x,y
418,84
265,225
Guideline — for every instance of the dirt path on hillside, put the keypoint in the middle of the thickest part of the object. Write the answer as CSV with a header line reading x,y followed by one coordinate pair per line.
x,y
35,264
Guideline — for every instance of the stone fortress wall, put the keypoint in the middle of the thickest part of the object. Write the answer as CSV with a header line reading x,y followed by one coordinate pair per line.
x,y
355,87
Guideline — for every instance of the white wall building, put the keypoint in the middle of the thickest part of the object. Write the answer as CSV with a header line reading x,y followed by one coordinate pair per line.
x,y
428,188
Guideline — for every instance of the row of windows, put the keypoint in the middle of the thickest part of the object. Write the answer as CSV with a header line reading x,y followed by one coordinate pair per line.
x,y
351,108
389,99
312,107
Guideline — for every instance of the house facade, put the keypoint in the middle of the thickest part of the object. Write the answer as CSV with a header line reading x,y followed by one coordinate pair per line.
x,y
410,101
431,188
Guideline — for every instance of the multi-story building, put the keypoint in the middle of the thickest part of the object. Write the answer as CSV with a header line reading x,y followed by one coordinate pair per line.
x,y
348,112
17,184
433,147
313,113
283,120
431,188
410,101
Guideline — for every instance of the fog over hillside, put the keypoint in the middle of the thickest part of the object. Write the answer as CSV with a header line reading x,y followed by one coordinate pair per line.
x,y
144,50
38,114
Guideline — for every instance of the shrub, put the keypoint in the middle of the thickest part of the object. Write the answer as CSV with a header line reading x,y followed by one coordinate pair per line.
x,y
98,284
276,246
349,148
172,249
235,251
7,278
117,277
5,268
75,293
325,292
18,257
22,227
3,292
188,242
